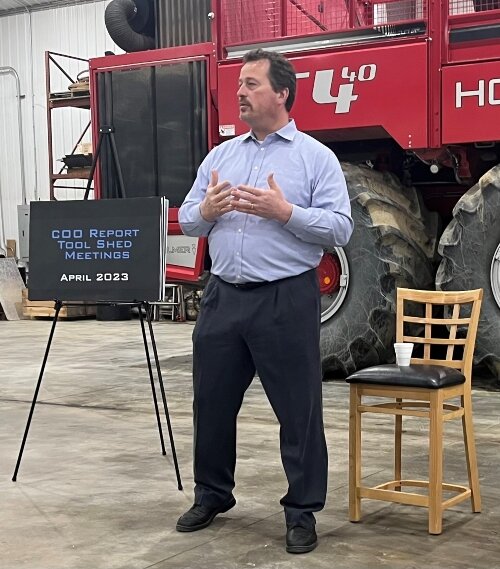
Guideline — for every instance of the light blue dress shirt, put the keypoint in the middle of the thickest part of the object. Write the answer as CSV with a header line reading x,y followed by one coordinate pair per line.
x,y
248,248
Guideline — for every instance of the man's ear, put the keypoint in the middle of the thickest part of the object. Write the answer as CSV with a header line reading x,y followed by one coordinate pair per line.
x,y
283,95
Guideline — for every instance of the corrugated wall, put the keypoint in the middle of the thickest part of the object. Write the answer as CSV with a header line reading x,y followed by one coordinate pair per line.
x,y
24,38
183,22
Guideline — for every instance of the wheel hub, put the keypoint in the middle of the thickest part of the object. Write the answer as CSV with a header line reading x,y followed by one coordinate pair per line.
x,y
329,271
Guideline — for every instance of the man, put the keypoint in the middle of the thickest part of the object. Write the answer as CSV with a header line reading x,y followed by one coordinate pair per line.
x,y
269,201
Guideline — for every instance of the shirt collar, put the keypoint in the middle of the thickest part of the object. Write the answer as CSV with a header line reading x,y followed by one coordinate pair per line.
x,y
287,132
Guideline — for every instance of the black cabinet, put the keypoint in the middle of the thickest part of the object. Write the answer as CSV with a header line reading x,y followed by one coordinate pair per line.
x,y
159,116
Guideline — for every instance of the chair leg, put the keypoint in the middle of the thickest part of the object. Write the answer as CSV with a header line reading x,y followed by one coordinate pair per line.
x,y
436,463
398,430
354,454
470,453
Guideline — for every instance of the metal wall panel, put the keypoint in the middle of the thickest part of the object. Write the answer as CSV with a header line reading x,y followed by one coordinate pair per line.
x,y
13,55
183,22
75,30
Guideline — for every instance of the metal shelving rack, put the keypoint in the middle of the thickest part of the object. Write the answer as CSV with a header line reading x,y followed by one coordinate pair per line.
x,y
59,100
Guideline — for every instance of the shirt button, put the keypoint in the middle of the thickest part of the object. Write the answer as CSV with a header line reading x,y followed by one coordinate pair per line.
x,y
262,150
239,230
256,168
237,253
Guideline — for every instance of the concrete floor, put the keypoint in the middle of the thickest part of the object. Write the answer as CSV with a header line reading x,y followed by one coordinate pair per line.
x,y
94,491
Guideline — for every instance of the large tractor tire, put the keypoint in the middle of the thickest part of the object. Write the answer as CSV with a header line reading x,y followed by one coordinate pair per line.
x,y
470,247
393,245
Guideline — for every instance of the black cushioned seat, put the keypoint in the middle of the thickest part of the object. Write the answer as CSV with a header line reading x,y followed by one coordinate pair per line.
x,y
428,376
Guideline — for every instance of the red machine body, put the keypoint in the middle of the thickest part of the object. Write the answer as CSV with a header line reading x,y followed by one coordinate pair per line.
x,y
407,94
435,83
422,73
351,95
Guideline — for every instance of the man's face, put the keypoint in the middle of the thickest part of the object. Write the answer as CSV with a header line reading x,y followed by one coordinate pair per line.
x,y
257,101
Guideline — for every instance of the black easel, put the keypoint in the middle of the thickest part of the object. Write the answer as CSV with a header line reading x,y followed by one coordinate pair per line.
x,y
107,132
140,306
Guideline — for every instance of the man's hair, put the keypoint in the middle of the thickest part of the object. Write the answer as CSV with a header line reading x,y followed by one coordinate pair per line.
x,y
281,72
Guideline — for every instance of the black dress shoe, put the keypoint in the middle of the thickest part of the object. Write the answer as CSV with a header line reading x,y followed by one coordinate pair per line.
x,y
199,517
300,539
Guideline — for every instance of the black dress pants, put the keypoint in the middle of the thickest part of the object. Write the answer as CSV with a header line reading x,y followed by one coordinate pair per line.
x,y
273,329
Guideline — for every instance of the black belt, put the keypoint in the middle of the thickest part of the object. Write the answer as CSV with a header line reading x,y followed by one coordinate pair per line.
x,y
246,286
258,284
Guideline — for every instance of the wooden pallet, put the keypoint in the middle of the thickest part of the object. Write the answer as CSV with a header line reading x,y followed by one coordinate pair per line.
x,y
45,309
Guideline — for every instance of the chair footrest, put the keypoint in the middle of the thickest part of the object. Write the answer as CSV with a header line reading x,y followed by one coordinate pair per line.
x,y
387,492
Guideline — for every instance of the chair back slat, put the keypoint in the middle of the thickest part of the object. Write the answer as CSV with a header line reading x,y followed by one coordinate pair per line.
x,y
440,296
453,333
445,321
428,331
436,341
441,324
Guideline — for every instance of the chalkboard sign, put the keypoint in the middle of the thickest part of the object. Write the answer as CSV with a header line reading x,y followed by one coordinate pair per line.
x,y
102,250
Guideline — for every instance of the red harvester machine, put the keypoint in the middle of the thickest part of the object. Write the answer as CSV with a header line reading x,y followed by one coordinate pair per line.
x,y
406,92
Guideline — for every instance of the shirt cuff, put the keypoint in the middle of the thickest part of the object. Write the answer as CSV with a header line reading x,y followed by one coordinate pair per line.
x,y
298,220
201,222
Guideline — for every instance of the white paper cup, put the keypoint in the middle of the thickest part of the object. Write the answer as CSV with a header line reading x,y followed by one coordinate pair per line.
x,y
403,353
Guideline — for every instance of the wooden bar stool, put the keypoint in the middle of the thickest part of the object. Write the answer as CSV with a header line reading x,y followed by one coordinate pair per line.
x,y
442,326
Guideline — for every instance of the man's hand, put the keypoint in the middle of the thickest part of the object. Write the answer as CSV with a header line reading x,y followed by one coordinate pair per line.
x,y
217,200
270,203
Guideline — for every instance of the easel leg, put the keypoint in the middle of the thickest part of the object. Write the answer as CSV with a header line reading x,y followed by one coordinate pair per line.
x,y
148,359
58,305
93,167
162,389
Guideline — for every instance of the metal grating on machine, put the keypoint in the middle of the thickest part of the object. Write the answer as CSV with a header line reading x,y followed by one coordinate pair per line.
x,y
469,6
267,20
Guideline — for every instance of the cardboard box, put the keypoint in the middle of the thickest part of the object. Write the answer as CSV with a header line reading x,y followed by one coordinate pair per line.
x,y
11,248
85,148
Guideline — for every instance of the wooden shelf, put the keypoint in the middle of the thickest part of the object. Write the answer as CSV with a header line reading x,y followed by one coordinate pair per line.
x,y
76,102
77,174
